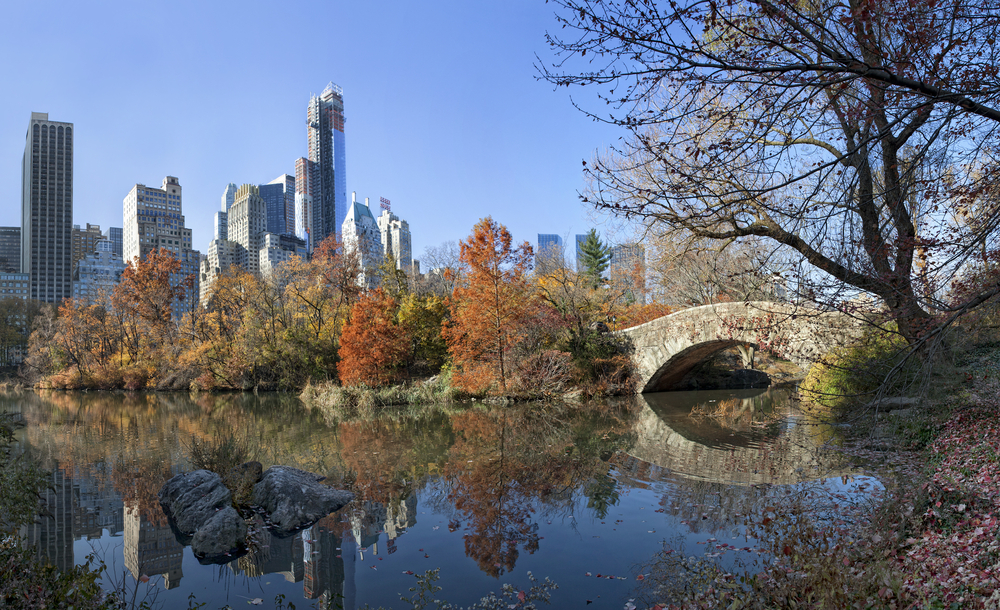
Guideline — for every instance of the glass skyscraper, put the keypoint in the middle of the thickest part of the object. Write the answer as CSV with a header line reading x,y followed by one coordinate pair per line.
x,y
279,195
321,178
550,249
114,235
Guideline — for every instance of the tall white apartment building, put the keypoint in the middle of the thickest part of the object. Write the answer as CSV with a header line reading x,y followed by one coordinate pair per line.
x,y
97,273
272,254
395,235
154,218
247,225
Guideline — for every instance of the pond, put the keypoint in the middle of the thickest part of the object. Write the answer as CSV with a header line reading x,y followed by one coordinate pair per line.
x,y
590,497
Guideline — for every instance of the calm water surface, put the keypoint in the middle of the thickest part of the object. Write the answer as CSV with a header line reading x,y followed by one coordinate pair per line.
x,y
486,495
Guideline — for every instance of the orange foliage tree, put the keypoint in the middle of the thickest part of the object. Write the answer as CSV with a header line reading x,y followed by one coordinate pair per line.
x,y
374,346
488,310
144,300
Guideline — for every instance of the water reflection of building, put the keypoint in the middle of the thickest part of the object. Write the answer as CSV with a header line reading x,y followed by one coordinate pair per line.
x,y
370,519
151,549
75,506
328,561
323,557
98,505
400,516
273,555
52,533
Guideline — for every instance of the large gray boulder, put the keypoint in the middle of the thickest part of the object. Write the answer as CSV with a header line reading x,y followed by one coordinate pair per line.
x,y
224,533
199,505
292,499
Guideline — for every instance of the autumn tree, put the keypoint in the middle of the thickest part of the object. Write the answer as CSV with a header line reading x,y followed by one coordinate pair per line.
x,y
319,294
845,134
16,319
373,345
488,309
144,302
424,316
392,280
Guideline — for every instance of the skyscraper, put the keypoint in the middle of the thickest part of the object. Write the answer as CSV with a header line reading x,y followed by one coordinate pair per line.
x,y
154,219
229,196
321,178
247,225
279,195
396,240
579,253
549,254
221,219
47,208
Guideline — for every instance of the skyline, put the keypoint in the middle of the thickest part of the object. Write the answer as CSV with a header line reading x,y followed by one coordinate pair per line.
x,y
444,115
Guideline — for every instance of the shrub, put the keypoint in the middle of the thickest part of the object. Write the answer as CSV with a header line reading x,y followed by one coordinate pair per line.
x,y
603,362
853,374
29,583
547,374
222,455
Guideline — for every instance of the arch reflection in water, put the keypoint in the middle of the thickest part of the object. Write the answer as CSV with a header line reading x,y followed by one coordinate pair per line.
x,y
738,437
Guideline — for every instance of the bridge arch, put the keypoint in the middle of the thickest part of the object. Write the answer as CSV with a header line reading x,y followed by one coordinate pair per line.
x,y
668,347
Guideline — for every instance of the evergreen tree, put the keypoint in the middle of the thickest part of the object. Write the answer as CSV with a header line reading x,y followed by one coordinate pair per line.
x,y
594,258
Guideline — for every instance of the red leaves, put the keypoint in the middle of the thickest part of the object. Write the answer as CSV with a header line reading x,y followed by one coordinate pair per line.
x,y
373,345
487,313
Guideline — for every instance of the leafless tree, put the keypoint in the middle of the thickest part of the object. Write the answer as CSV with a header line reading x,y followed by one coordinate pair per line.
x,y
443,269
691,274
848,134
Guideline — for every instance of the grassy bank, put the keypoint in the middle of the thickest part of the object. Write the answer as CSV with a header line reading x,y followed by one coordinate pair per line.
x,y
345,403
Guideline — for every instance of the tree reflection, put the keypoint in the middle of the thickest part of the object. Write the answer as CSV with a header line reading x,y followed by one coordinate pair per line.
x,y
386,457
508,464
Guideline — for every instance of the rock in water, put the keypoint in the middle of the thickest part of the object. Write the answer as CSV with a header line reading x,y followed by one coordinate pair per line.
x,y
192,498
223,533
199,505
293,499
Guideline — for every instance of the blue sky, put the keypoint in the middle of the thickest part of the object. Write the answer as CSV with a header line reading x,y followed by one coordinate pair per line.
x,y
444,114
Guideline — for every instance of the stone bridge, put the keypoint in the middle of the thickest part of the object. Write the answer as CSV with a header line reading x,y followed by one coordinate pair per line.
x,y
668,347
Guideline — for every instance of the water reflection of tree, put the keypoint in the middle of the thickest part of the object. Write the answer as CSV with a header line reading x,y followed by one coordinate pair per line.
x,y
137,478
508,464
384,457
83,428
